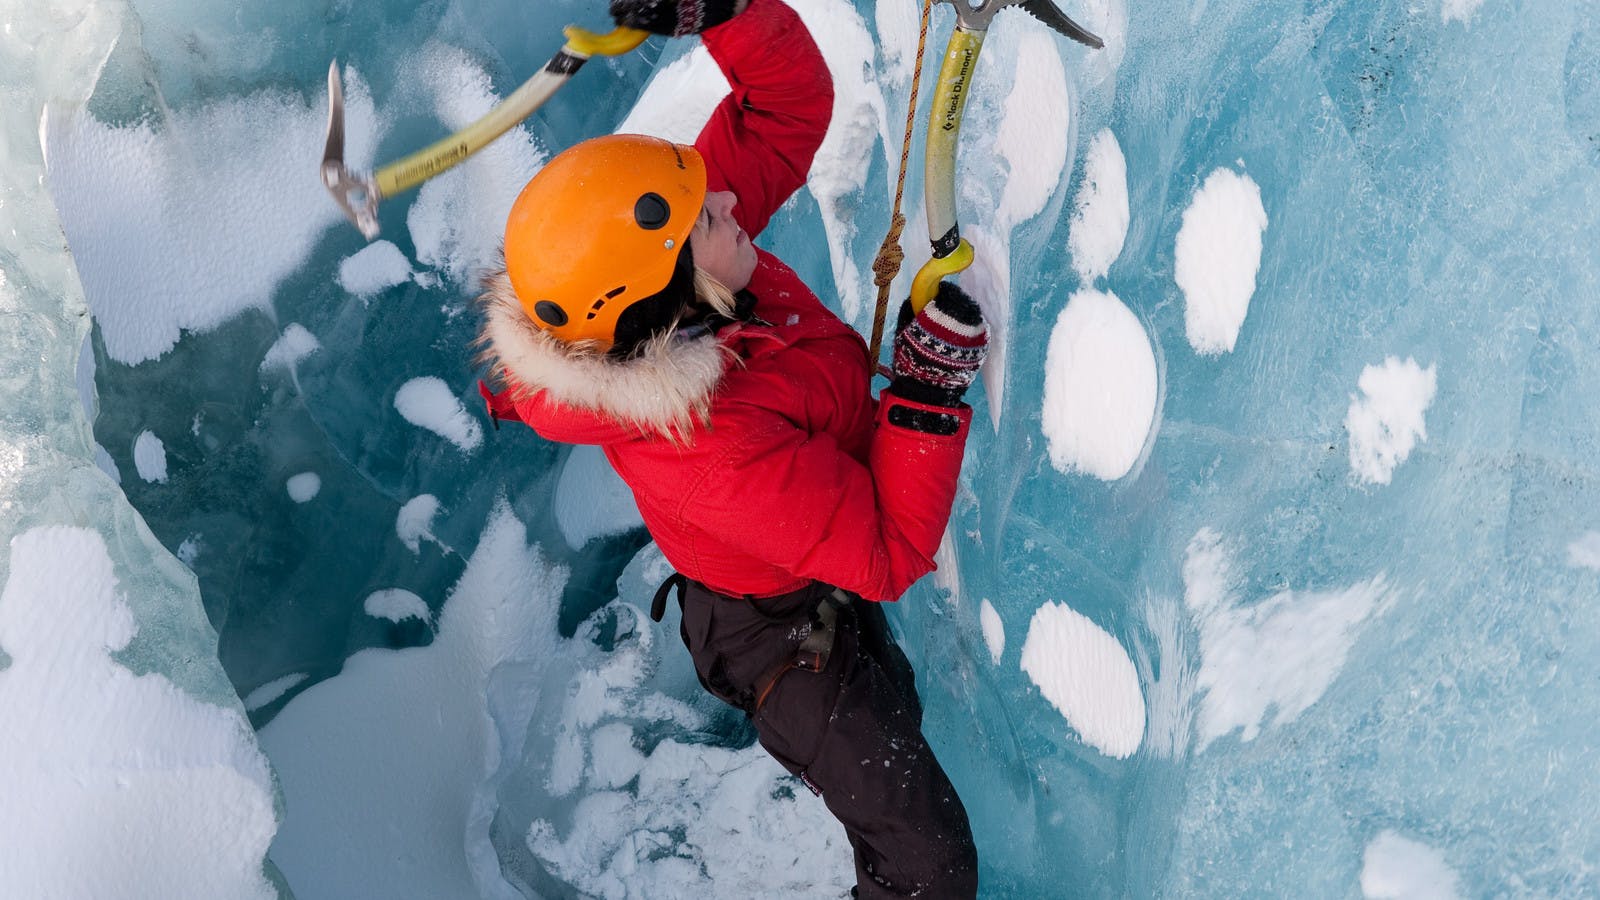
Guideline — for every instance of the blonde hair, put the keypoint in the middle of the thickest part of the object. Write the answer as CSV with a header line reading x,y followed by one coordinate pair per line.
x,y
713,293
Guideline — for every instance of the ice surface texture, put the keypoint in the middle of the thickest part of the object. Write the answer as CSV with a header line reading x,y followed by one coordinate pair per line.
x,y
126,761
1290,456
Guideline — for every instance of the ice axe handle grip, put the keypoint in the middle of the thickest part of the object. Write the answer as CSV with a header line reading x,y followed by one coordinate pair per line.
x,y
615,42
926,283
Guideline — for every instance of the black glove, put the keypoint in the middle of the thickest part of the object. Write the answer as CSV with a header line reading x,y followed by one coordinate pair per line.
x,y
937,353
674,18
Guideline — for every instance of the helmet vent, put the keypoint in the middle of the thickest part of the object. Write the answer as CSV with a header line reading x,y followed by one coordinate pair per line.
x,y
595,307
552,314
651,211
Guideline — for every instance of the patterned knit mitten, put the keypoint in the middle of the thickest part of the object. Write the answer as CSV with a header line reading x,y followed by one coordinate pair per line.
x,y
674,18
937,353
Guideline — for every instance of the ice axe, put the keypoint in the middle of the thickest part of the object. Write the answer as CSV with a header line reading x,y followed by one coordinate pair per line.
x,y
359,193
951,252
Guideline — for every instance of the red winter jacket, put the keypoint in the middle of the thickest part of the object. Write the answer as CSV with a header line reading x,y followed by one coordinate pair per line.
x,y
758,458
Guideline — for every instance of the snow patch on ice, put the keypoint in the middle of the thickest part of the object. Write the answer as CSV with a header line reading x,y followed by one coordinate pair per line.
x,y
1034,128
415,521
994,631
1459,10
1087,676
303,487
405,738
150,457
1387,422
1101,216
689,828
1394,867
1281,653
615,760
116,784
158,250
189,550
428,402
1100,387
397,605
693,812
897,23
610,688
458,219
679,99
268,693
1218,255
591,500
373,269
294,345
676,819
1585,551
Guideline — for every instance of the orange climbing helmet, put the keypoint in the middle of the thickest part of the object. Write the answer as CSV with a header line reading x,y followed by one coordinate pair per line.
x,y
601,228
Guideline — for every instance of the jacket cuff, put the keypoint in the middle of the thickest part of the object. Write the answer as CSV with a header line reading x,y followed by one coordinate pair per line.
x,y
499,406
943,423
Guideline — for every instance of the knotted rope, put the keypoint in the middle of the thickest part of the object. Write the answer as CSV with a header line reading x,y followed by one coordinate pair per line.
x,y
890,256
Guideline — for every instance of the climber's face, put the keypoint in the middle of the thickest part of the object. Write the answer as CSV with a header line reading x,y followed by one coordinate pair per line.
x,y
720,246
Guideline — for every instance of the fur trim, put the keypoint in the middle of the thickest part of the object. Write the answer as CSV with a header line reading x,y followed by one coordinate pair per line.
x,y
665,387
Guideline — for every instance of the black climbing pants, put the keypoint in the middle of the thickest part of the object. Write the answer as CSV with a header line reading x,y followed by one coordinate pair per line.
x,y
852,732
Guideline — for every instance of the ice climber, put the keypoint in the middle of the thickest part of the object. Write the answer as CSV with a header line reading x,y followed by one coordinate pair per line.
x,y
635,314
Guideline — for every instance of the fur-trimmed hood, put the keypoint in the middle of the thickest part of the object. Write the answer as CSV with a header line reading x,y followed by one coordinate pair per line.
x,y
665,388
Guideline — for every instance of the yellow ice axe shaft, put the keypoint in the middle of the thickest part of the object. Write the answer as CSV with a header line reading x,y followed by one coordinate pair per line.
x,y
408,172
358,194
951,252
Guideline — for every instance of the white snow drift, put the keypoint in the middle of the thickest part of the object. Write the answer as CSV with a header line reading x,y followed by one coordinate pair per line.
x,y
414,522
294,345
304,487
373,269
1386,422
1218,255
1280,654
1087,676
115,784
1395,867
1100,216
150,457
428,402
1100,387
385,767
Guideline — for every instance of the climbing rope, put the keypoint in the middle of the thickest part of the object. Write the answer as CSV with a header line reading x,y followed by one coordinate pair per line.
x,y
890,256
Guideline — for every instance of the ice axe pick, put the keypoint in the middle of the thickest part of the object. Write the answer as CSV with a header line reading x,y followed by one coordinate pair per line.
x,y
359,193
951,252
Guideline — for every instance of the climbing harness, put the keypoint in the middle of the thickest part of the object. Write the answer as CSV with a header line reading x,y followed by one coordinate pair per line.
x,y
359,193
951,252
815,649
813,653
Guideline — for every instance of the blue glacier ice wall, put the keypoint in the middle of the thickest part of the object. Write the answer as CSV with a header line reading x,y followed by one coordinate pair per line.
x,y
1271,566
128,764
